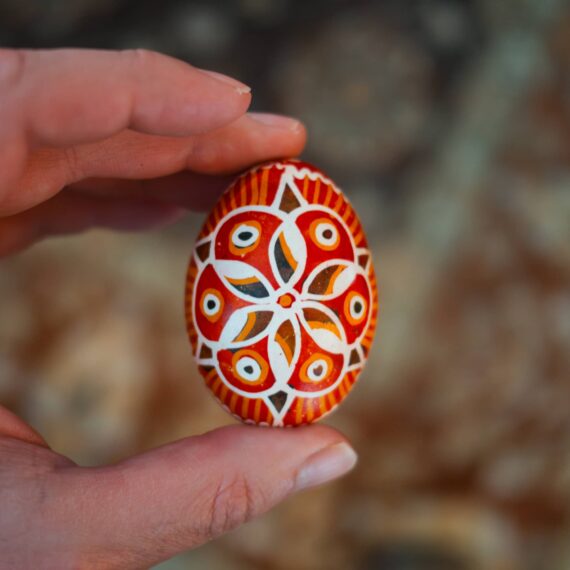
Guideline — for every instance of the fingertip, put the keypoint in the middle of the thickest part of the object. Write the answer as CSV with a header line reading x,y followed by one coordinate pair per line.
x,y
275,121
186,100
289,133
253,138
239,87
327,464
222,101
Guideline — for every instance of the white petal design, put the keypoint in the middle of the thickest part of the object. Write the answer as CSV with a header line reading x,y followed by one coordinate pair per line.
x,y
288,252
245,281
329,279
283,355
330,336
247,326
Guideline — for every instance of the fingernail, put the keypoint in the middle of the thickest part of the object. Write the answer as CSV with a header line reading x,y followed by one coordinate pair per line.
x,y
276,121
240,87
325,465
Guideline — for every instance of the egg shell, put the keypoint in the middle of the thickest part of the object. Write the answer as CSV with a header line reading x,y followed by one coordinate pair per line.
x,y
281,296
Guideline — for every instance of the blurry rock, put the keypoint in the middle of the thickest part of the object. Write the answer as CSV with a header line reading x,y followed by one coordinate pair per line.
x,y
363,88
412,555
265,12
447,23
202,29
309,521
427,535
50,19
516,13
97,376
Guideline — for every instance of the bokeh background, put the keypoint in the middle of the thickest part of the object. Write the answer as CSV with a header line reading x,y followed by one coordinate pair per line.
x,y
447,123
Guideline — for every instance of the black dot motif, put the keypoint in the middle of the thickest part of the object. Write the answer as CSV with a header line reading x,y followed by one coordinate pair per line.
x,y
244,236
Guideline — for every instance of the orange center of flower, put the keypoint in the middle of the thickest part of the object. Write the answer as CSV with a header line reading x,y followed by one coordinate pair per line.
x,y
286,300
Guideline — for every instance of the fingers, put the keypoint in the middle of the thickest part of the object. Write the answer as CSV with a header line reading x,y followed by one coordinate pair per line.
x,y
251,139
71,96
70,212
134,155
68,97
120,203
179,496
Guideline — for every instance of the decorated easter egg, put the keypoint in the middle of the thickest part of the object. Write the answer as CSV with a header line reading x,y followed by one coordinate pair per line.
x,y
281,299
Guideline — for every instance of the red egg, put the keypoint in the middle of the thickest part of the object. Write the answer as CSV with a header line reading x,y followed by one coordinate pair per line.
x,y
281,298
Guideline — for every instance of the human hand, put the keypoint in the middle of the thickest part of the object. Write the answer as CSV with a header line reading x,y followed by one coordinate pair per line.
x,y
124,140
120,139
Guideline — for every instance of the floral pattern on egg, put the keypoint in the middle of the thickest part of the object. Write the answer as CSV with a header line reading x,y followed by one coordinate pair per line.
x,y
281,298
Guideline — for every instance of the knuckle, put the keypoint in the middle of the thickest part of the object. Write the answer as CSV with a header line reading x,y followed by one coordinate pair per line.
x,y
13,62
204,156
232,505
140,57
73,170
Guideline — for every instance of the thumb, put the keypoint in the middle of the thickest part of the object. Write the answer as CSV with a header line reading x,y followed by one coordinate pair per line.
x,y
150,507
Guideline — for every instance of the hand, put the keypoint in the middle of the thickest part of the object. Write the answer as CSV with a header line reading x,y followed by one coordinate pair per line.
x,y
125,140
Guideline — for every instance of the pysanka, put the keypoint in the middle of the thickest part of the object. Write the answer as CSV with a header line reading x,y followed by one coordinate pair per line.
x,y
281,299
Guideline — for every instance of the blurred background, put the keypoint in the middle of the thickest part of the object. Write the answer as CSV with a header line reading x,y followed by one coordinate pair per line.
x,y
447,123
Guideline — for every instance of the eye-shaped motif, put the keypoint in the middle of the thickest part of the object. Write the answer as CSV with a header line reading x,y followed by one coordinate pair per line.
x,y
355,308
212,304
244,237
250,367
324,234
316,369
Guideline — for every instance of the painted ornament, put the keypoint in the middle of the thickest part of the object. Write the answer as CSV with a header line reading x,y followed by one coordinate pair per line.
x,y
281,299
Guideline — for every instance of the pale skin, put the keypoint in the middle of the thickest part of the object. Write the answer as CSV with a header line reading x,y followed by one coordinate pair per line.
x,y
131,140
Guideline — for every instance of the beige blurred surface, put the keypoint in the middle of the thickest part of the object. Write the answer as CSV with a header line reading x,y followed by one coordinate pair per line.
x,y
455,150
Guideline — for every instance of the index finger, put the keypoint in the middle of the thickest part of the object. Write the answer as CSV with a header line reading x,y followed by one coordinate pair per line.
x,y
70,96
